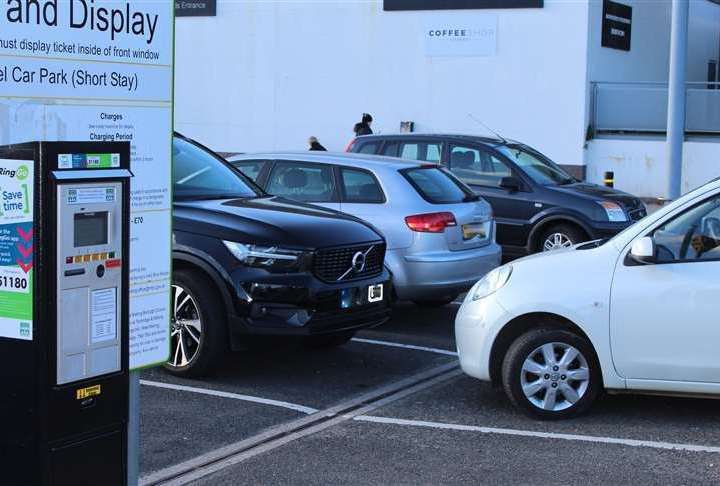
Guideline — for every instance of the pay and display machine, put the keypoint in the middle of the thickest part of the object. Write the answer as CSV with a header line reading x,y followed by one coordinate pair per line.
x,y
64,239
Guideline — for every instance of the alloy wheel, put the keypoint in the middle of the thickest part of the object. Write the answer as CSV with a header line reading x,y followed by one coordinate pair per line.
x,y
556,241
186,329
555,376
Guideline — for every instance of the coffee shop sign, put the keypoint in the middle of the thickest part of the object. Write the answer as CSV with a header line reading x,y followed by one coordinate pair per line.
x,y
474,38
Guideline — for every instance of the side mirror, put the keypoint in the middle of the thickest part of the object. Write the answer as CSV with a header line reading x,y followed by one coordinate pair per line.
x,y
643,251
512,184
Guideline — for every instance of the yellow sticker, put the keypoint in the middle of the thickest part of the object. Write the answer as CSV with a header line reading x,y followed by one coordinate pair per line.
x,y
91,391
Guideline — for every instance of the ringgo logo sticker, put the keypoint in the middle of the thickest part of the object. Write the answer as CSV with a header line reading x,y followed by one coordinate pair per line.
x,y
16,250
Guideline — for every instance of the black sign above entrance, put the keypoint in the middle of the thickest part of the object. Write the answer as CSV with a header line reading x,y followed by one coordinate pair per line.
x,y
195,8
399,5
616,25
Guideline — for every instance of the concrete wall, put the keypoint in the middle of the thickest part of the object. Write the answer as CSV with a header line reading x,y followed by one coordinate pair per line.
x,y
266,75
641,167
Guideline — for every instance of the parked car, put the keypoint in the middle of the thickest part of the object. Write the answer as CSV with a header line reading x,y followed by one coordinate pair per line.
x,y
538,206
440,236
246,263
635,313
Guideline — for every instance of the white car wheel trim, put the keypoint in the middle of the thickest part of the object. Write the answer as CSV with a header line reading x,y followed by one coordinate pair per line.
x,y
555,376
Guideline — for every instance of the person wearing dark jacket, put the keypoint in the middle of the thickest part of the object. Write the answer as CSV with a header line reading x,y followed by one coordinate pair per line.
x,y
315,145
363,128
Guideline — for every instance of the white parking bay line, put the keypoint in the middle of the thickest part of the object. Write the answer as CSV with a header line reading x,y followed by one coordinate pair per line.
x,y
233,396
405,346
542,435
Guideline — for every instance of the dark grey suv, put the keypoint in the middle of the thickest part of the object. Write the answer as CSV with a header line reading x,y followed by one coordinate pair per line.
x,y
538,206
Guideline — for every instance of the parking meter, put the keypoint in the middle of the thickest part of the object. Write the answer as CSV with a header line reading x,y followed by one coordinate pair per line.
x,y
64,338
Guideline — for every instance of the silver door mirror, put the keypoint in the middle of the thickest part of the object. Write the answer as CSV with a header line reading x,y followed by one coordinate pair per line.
x,y
643,250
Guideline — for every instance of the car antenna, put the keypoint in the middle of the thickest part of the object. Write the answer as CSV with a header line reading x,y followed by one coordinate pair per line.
x,y
475,119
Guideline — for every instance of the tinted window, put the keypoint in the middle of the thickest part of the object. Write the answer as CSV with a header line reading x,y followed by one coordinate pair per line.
x,y
425,151
541,169
477,167
302,182
437,186
360,186
391,149
198,174
694,235
250,168
368,148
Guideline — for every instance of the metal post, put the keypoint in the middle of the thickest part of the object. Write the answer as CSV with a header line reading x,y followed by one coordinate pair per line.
x,y
134,430
677,96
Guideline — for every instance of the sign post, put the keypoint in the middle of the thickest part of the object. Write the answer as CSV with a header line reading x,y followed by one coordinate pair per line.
x,y
84,70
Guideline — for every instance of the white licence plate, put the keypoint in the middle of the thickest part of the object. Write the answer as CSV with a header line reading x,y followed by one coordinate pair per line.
x,y
375,293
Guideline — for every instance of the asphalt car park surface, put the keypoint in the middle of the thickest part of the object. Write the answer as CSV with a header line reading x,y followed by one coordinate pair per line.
x,y
282,414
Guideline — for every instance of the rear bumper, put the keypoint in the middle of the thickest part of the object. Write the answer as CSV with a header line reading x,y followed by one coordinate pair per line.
x,y
435,275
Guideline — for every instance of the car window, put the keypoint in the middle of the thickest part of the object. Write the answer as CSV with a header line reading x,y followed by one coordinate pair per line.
x,y
425,151
694,235
477,167
302,182
541,169
437,186
199,174
250,168
360,186
391,149
368,148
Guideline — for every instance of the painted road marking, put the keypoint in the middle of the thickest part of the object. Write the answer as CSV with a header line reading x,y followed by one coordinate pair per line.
x,y
405,346
542,435
233,396
274,437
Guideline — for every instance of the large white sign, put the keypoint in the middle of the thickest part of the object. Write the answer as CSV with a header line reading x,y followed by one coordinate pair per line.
x,y
465,35
102,71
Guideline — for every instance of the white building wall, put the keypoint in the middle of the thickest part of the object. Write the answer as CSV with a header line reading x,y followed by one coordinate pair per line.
x,y
648,58
640,165
641,168
266,75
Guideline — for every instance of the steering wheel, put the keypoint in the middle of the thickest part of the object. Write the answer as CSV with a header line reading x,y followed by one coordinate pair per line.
x,y
685,246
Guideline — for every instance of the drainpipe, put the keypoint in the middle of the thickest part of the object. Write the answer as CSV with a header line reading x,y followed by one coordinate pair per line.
x,y
677,96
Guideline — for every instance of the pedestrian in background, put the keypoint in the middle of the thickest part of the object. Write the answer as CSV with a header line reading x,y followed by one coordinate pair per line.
x,y
313,144
363,128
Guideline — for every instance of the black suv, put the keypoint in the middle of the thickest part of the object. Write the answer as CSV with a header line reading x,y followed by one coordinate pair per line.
x,y
538,206
246,263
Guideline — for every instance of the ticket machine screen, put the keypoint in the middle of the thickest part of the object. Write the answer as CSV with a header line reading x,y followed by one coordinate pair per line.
x,y
91,228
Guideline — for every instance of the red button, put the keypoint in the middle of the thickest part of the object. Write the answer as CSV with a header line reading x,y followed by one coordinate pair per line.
x,y
112,263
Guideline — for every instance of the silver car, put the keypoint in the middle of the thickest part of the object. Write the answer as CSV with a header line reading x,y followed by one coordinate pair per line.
x,y
440,236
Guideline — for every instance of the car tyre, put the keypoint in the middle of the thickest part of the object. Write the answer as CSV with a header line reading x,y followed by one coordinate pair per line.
x,y
551,374
435,302
328,340
198,325
560,236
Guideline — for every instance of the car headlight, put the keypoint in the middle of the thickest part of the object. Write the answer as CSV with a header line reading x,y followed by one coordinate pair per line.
x,y
269,257
614,211
492,282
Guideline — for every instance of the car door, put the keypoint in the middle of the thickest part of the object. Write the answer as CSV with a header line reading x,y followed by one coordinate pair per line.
x,y
482,171
362,195
664,316
305,182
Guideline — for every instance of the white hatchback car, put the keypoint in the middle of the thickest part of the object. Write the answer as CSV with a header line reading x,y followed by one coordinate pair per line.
x,y
637,313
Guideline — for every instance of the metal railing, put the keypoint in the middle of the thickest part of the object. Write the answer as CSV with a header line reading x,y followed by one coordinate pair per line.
x,y
641,107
